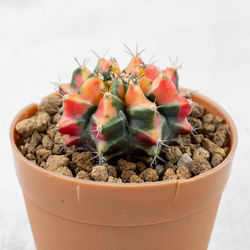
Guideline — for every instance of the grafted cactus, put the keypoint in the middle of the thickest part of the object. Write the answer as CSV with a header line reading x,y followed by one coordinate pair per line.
x,y
130,113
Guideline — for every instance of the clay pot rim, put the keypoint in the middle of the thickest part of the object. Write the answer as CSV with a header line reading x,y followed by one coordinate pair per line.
x,y
227,160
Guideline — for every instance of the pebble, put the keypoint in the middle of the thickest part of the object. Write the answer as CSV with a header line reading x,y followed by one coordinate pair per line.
x,y
170,174
149,175
183,173
114,180
124,165
126,175
99,173
201,153
198,167
135,179
50,104
83,175
185,160
173,153
57,160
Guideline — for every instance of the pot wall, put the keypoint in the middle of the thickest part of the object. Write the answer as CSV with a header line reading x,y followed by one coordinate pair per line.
x,y
66,213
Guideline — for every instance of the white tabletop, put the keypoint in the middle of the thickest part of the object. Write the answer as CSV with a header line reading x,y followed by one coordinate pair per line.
x,y
38,40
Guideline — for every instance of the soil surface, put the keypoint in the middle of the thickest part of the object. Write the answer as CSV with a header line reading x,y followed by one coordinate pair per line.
x,y
185,156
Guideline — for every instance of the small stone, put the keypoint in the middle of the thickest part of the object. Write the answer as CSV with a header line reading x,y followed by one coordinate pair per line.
x,y
223,127
26,127
160,169
43,154
198,138
114,180
198,167
140,166
201,153
209,145
186,150
57,118
112,171
83,160
136,179
83,175
58,149
23,149
216,160
218,120
60,170
35,139
50,104
220,151
219,138
173,153
208,118
57,160
208,128
149,175
77,170
184,160
99,173
226,150
51,131
124,165
30,157
39,147
47,142
194,147
184,140
43,164
59,138
42,121
126,175
170,175
195,122
197,110
169,164
31,149
183,173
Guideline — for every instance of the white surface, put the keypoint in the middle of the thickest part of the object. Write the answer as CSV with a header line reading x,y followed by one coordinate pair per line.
x,y
38,40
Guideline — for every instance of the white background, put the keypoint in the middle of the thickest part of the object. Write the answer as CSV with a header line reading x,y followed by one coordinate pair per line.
x,y
38,40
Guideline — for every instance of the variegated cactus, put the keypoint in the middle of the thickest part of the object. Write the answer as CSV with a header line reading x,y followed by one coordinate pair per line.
x,y
130,113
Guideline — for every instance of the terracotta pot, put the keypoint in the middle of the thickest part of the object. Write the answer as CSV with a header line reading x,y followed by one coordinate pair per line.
x,y
66,213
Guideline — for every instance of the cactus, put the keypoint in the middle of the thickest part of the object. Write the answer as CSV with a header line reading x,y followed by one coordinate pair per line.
x,y
130,113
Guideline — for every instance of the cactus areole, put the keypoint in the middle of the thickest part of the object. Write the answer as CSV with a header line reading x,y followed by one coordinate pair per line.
x,y
123,114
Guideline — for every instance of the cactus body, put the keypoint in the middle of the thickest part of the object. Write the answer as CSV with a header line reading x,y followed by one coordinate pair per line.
x,y
114,115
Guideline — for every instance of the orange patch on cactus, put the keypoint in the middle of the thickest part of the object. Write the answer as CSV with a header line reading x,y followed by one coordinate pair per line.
x,y
152,72
105,111
135,97
75,106
85,73
171,74
134,66
145,84
91,90
163,89
115,66
69,126
103,64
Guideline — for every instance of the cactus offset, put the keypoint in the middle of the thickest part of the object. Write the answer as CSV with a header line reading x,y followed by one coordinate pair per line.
x,y
130,113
